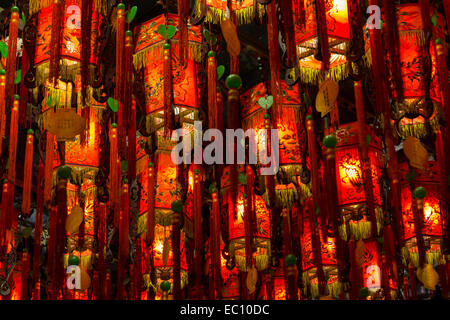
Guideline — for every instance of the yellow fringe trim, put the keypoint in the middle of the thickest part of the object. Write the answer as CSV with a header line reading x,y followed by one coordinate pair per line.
x,y
36,5
262,262
156,51
433,257
334,289
285,198
243,16
361,230
312,76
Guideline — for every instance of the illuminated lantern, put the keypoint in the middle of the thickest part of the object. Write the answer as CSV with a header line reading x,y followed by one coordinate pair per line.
x,y
353,202
70,37
307,35
253,102
413,114
432,226
166,191
215,11
260,230
309,261
149,56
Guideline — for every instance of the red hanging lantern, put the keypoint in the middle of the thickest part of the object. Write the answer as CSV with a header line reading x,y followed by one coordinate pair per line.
x,y
432,217
70,45
237,229
353,202
149,56
335,23
414,114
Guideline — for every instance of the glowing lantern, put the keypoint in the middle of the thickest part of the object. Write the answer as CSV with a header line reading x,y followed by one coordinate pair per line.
x,y
413,114
306,39
149,56
260,233
70,46
353,201
432,218
253,118
216,10
327,257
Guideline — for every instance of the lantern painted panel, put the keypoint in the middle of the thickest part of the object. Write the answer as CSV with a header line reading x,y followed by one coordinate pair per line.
x,y
163,248
306,38
71,37
370,266
149,55
349,167
432,224
166,181
253,115
328,248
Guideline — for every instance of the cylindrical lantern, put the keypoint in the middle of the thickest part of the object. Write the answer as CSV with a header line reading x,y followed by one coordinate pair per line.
x,y
71,34
307,39
149,56
353,202
432,224
413,114
261,238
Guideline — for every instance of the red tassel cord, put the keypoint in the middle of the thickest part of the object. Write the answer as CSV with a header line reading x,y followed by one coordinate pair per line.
x,y
385,276
332,208
392,41
3,215
120,62
108,287
28,173
443,279
38,224
128,78
124,246
12,56
299,10
13,134
49,154
447,13
61,201
176,239
23,107
316,245
168,90
356,272
381,90
86,27
37,291
364,156
84,136
418,223
152,169
132,143
56,39
51,248
412,282
289,35
102,234
322,31
114,173
198,233
213,115
25,273
274,59
215,244
183,44
2,108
